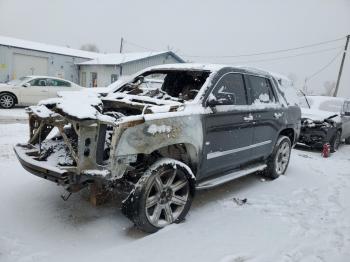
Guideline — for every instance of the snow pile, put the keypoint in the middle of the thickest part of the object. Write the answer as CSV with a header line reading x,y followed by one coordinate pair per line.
x,y
78,105
41,111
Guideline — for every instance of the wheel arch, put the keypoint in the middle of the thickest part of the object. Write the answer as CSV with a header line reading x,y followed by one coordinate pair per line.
x,y
289,132
186,153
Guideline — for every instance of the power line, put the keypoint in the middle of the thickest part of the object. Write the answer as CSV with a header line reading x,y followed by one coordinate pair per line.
x,y
139,46
290,56
324,67
267,52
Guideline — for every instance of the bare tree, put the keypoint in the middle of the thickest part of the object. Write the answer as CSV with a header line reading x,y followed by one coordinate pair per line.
x,y
90,47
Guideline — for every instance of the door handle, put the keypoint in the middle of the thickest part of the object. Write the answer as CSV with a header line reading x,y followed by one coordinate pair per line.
x,y
248,118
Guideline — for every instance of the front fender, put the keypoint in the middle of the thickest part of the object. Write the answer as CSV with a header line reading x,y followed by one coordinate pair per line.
x,y
154,134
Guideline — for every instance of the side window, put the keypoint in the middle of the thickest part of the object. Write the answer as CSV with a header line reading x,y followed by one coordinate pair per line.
x,y
261,90
38,82
63,83
230,90
55,82
346,107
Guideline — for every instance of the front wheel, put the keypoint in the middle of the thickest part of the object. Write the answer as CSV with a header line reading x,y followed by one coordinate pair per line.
x,y
279,159
7,101
162,196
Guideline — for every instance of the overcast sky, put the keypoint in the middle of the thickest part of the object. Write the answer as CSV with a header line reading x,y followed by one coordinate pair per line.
x,y
197,27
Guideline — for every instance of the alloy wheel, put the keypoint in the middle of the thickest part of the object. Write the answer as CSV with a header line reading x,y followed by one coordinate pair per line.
x,y
282,158
166,197
6,101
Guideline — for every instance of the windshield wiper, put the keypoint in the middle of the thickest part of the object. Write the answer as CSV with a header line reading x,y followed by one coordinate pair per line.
x,y
307,101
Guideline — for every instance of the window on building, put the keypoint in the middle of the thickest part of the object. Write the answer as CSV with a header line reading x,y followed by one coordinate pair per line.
x,y
114,77
83,79
93,79
261,90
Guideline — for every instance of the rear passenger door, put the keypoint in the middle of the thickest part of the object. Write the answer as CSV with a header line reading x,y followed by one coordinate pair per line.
x,y
267,113
228,131
56,85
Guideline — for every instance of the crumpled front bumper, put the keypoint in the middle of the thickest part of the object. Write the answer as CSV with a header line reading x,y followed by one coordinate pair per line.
x,y
26,155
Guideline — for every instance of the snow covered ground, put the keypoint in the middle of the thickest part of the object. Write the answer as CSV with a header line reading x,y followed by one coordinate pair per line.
x,y
16,114
303,216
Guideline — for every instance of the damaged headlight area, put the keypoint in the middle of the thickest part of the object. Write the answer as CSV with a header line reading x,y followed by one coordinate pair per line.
x,y
316,133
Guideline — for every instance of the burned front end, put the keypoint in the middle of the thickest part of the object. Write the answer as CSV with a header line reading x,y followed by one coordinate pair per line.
x,y
316,133
66,149
77,140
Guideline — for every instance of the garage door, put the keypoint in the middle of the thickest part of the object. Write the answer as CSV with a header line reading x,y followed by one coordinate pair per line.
x,y
24,65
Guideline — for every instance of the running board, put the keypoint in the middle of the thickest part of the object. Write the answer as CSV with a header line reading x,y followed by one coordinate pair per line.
x,y
231,176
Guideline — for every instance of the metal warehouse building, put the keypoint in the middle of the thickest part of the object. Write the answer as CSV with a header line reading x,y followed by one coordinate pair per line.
x,y
108,68
21,57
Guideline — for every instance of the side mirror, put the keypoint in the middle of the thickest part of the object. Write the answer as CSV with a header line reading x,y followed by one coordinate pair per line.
x,y
26,85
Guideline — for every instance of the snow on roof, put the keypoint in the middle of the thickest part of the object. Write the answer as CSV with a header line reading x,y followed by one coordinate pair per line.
x,y
121,58
189,66
25,44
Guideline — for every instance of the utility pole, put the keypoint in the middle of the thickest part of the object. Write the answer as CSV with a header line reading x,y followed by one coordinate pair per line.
x,y
341,66
121,45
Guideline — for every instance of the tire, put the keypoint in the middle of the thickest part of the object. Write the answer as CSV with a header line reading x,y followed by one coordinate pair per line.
x,y
335,142
7,100
162,196
277,163
347,141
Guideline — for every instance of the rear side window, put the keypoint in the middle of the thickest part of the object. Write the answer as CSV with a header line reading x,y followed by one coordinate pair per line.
x,y
261,90
55,82
232,86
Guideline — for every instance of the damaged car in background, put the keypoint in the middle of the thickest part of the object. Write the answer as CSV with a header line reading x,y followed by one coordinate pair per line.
x,y
325,120
159,137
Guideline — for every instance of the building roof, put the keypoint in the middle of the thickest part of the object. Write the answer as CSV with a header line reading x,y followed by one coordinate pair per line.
x,y
25,44
123,58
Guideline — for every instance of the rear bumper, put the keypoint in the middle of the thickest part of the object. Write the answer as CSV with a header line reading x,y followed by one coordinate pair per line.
x,y
26,156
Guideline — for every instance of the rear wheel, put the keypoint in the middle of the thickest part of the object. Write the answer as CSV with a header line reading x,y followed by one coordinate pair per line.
x,y
162,196
335,142
279,160
7,100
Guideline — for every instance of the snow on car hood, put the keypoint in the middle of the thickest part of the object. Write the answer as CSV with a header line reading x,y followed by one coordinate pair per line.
x,y
74,104
318,115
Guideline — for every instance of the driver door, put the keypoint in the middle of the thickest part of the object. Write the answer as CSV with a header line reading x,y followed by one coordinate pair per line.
x,y
36,90
228,131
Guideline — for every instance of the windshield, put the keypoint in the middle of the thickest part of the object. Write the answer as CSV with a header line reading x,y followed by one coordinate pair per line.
x,y
173,85
19,80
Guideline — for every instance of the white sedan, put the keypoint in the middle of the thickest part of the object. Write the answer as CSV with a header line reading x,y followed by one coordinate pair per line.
x,y
29,90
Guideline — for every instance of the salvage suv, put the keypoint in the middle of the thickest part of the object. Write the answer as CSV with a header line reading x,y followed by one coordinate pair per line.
x,y
165,133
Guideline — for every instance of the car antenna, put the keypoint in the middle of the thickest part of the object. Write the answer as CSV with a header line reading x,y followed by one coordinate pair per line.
x,y
307,101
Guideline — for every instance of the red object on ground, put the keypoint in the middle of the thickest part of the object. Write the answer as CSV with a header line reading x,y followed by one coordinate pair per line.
x,y
326,150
